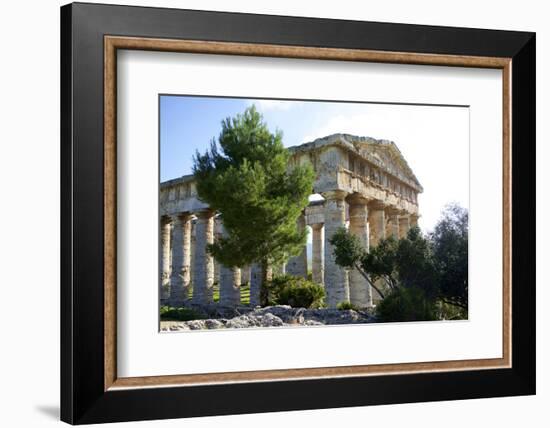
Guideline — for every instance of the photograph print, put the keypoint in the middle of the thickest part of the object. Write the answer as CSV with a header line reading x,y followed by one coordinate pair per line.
x,y
306,213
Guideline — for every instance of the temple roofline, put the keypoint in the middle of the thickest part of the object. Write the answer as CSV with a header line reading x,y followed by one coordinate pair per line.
x,y
352,143
180,180
348,142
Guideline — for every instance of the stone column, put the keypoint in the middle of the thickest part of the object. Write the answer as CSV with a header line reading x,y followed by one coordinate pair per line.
x,y
165,230
393,223
245,274
377,222
230,286
193,249
297,265
181,257
413,220
230,281
204,263
317,253
377,232
335,277
255,284
404,226
359,289
218,233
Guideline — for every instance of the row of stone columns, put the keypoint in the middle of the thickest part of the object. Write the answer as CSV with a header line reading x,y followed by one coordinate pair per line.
x,y
371,221
181,257
176,240
398,225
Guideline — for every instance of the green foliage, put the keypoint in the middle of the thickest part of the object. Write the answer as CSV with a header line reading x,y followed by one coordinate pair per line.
x,y
345,306
415,263
295,291
381,262
245,177
276,284
435,265
406,304
258,198
450,248
406,262
303,296
168,313
348,250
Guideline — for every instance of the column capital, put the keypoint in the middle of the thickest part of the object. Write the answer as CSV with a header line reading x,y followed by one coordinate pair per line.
x,y
316,226
335,194
357,198
414,219
205,214
393,211
181,216
377,204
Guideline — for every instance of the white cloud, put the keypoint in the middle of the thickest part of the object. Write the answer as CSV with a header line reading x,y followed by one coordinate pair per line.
x,y
270,105
355,125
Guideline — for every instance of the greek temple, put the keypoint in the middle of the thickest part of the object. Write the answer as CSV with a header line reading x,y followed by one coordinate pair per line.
x,y
361,183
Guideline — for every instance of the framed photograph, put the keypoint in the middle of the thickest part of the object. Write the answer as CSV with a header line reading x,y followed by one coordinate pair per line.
x,y
266,213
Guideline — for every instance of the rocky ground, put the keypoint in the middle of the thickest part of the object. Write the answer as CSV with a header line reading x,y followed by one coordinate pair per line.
x,y
271,316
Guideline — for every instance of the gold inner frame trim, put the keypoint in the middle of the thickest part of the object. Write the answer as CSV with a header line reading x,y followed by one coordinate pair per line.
x,y
113,43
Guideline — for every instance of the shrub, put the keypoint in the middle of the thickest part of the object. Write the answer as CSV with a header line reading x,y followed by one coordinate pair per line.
x,y
168,313
296,292
275,286
345,306
406,304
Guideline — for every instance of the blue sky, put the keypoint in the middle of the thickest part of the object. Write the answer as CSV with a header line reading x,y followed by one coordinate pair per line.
x,y
189,123
433,139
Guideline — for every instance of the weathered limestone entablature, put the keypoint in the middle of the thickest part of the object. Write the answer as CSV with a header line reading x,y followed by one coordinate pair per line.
x,y
180,196
375,169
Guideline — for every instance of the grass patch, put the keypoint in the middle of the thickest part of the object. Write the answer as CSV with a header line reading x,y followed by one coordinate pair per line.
x,y
245,293
343,306
168,313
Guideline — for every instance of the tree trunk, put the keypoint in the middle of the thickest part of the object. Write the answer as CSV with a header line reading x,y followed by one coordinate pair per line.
x,y
267,274
362,272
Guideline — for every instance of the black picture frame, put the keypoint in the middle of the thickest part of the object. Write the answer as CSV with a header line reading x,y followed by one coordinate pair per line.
x,y
83,396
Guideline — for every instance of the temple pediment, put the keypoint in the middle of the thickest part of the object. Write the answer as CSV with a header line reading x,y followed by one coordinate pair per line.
x,y
387,155
383,154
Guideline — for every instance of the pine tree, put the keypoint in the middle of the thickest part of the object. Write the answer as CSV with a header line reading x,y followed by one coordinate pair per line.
x,y
245,177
